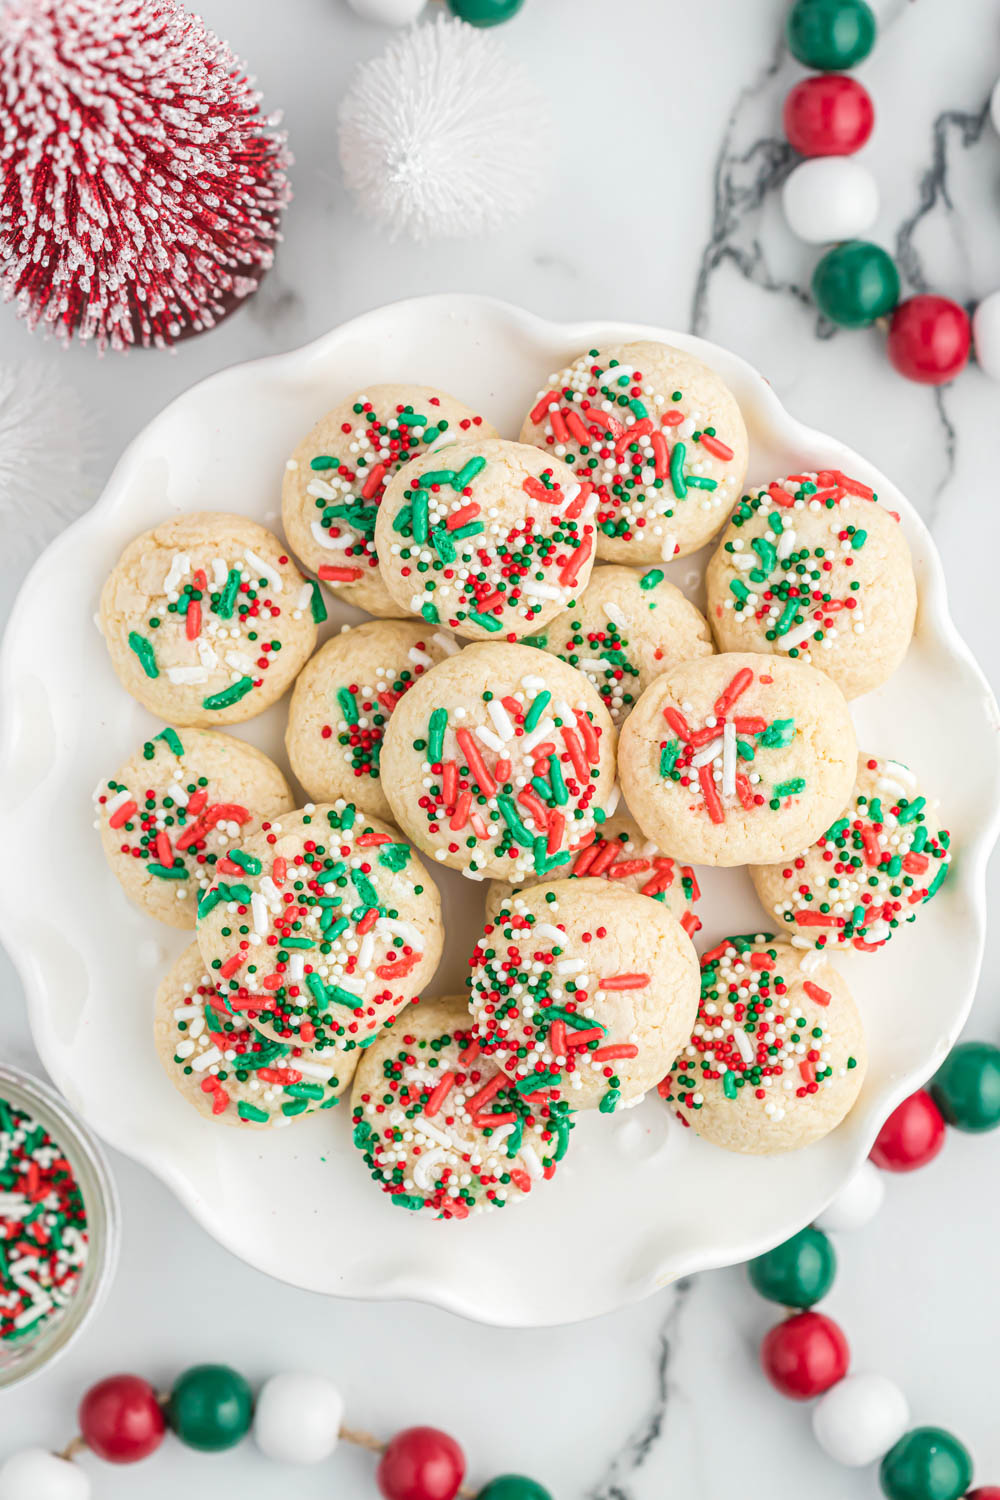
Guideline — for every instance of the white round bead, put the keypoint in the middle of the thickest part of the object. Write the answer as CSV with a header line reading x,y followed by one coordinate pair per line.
x,y
34,1474
857,1202
297,1418
986,335
995,105
830,198
860,1418
389,12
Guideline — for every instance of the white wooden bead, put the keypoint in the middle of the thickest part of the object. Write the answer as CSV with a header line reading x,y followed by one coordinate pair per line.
x,y
857,1202
995,105
34,1474
860,1418
986,335
389,12
830,198
297,1418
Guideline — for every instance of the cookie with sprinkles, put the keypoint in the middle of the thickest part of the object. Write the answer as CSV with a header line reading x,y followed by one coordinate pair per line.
x,y
777,1055
621,852
320,928
872,870
659,436
727,757
226,1069
491,540
501,761
584,992
207,619
342,701
625,629
441,1128
812,567
335,480
172,810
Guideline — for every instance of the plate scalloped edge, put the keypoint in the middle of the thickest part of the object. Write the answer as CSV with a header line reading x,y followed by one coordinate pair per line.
x,y
22,729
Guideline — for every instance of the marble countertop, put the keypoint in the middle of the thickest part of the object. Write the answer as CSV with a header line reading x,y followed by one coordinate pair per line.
x,y
666,212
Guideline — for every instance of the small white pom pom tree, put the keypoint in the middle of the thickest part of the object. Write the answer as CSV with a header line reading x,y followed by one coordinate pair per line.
x,y
442,135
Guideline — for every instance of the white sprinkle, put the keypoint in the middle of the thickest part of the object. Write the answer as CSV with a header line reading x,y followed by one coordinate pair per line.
x,y
261,917
501,719
184,675
179,568
333,543
729,759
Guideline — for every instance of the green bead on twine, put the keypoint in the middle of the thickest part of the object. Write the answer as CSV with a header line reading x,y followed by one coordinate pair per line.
x,y
926,1464
830,34
210,1408
798,1273
855,283
966,1088
485,12
513,1487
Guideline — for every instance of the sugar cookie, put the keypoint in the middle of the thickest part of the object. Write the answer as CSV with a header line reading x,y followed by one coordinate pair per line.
x,y
441,1128
622,853
625,629
335,480
777,1056
207,619
870,872
177,804
814,568
341,704
226,1069
583,992
320,928
492,540
659,435
728,757
499,762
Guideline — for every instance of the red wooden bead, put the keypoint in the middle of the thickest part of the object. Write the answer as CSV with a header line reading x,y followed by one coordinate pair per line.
x,y
929,339
121,1420
911,1137
829,115
805,1355
421,1463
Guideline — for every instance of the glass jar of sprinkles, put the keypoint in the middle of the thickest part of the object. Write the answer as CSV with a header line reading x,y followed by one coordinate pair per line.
x,y
59,1225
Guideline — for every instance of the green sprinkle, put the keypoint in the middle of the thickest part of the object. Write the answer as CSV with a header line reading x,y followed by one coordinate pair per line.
x,y
317,607
227,598
729,1085
229,695
468,472
858,540
443,544
366,891
247,862
296,942
318,990
513,820
701,482
668,757
343,997
407,1200
609,1101
559,791
766,552
435,734
677,479
437,476
535,1081
144,651
430,614
173,739
323,461
210,899
538,706
419,507
911,810
393,856
348,705
168,872
252,1112
651,579
779,733
790,788
487,622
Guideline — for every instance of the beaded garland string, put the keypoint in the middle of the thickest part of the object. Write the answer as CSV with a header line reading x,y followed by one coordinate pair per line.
x,y
831,199
295,1418
860,1419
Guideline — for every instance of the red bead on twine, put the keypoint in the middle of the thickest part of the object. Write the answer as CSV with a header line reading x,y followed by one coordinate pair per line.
x,y
805,1355
829,115
929,339
911,1137
421,1463
121,1420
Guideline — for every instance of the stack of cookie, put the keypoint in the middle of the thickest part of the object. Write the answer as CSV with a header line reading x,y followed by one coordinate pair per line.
x,y
537,706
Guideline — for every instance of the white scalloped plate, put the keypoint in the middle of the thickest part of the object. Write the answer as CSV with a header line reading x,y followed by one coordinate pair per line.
x,y
639,1201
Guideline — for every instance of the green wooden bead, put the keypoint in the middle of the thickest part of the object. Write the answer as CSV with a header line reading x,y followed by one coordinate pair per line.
x,y
797,1273
855,283
513,1487
926,1464
966,1088
830,34
210,1408
485,12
